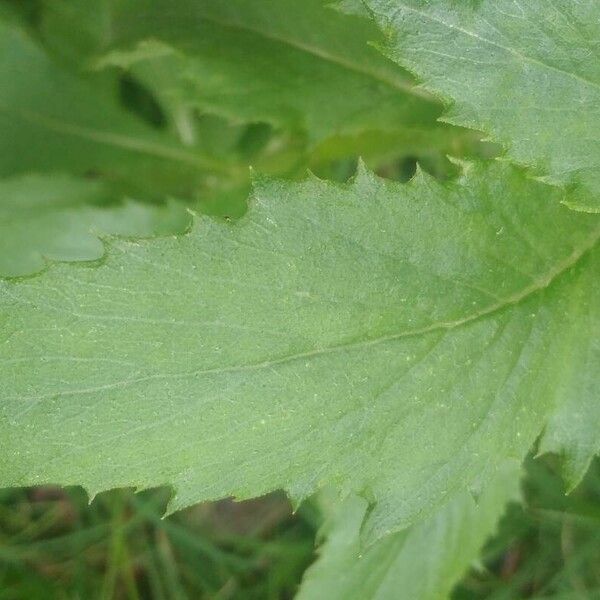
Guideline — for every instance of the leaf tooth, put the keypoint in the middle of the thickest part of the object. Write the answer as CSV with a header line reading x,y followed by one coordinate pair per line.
x,y
363,176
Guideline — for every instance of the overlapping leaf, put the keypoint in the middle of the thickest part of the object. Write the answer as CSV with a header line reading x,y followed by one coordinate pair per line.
x,y
526,72
398,341
55,119
424,561
295,65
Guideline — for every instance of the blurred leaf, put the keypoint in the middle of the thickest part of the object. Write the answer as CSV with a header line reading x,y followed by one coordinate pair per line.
x,y
319,53
52,120
61,218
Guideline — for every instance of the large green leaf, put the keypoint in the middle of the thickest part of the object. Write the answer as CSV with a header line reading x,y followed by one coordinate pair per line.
x,y
424,561
526,72
60,218
400,341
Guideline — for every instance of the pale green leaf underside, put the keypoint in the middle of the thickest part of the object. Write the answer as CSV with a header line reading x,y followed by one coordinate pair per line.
x,y
528,73
399,341
573,430
423,562
60,218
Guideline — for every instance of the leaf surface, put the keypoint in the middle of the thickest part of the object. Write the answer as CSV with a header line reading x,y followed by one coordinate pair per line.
x,y
424,561
397,341
528,73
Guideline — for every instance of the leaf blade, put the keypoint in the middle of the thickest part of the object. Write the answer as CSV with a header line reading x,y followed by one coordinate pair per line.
x,y
424,561
523,74
241,359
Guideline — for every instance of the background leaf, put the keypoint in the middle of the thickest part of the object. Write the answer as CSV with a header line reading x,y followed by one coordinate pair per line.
x,y
318,50
61,218
424,561
51,120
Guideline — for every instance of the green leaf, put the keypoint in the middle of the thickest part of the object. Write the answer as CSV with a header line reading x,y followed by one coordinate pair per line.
x,y
527,73
399,341
60,218
573,430
59,118
424,561
300,66
54,121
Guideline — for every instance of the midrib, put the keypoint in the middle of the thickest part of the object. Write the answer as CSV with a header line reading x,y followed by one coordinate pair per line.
x,y
552,275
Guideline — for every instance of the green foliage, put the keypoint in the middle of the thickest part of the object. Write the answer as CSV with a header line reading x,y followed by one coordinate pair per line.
x,y
51,120
226,66
528,73
402,345
152,352
55,546
424,561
